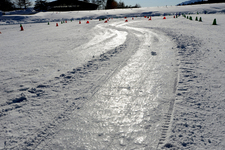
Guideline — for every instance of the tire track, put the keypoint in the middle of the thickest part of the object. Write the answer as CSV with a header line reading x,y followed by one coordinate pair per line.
x,y
167,120
115,94
116,58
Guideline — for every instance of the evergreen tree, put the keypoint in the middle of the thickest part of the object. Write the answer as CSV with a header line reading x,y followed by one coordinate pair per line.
x,y
6,5
109,4
137,6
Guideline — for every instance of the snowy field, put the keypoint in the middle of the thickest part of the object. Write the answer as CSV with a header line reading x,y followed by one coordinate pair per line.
x,y
142,84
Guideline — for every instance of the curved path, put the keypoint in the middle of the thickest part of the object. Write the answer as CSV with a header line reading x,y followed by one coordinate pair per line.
x,y
120,98
128,110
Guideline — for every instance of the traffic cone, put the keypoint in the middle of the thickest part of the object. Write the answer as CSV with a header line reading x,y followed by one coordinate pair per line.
x,y
87,22
200,19
214,22
21,28
79,22
57,25
164,17
196,19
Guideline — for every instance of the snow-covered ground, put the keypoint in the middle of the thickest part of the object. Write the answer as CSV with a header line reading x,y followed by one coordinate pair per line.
x,y
141,84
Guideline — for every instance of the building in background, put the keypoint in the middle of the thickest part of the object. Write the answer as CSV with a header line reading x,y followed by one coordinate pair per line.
x,y
70,5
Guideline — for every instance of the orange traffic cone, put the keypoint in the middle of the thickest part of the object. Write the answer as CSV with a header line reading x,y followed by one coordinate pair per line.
x,y
21,28
57,25
87,22
164,18
126,20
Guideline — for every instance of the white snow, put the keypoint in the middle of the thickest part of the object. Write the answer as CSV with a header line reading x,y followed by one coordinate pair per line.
x,y
141,84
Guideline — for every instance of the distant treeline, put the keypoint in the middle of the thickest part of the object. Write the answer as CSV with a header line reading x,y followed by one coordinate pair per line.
x,y
205,2
9,5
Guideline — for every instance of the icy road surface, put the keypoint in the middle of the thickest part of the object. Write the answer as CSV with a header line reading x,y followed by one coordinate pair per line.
x,y
139,84
126,111
111,92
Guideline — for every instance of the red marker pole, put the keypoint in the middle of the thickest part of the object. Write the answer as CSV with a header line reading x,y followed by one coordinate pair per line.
x,y
21,28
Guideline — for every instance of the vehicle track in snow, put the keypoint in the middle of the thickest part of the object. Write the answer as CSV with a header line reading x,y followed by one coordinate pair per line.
x,y
143,57
127,110
87,78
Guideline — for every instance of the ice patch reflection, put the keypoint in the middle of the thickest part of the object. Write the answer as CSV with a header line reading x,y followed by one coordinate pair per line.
x,y
124,113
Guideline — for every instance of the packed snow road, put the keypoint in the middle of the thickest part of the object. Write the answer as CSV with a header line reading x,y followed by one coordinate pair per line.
x,y
140,84
116,91
127,110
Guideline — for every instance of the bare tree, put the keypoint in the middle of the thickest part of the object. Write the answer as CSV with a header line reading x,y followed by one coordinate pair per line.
x,y
101,4
26,3
93,1
19,3
121,4
23,3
